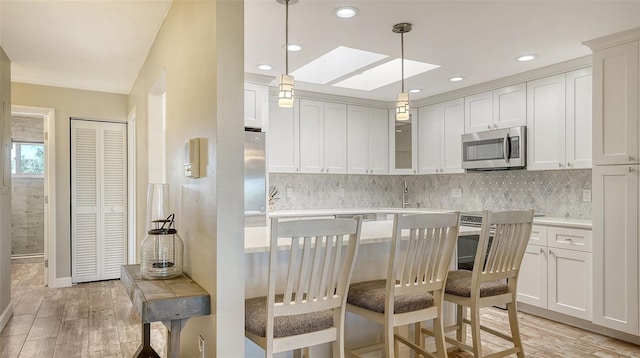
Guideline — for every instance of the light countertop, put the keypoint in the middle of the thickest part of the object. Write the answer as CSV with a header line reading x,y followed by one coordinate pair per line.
x,y
380,229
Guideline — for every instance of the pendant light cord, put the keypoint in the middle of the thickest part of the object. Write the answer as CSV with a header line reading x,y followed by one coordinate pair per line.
x,y
402,60
286,38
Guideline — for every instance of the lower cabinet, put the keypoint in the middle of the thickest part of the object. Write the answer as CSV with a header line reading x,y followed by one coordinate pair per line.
x,y
556,271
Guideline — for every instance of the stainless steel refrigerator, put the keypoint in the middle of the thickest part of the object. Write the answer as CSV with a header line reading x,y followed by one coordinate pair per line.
x,y
255,181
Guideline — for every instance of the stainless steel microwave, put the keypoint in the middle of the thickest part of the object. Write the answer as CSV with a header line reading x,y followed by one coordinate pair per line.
x,y
495,150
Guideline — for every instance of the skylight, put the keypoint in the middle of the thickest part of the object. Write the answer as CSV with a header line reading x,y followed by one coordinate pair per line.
x,y
385,74
336,63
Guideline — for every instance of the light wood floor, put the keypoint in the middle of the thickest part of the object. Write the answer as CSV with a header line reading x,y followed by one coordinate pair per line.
x,y
86,320
98,320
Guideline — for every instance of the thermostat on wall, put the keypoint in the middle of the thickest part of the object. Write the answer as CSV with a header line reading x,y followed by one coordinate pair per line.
x,y
192,158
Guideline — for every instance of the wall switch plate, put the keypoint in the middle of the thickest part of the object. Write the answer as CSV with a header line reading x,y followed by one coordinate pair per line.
x,y
586,195
341,191
289,193
456,193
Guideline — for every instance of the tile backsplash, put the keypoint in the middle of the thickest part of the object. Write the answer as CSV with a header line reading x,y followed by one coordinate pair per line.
x,y
552,193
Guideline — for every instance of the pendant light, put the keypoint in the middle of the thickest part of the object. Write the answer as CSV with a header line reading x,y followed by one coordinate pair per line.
x,y
285,88
402,105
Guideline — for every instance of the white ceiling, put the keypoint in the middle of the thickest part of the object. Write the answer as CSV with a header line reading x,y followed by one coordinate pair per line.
x,y
101,44
478,40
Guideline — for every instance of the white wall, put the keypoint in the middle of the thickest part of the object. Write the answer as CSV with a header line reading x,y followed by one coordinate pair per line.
x,y
204,99
67,103
5,192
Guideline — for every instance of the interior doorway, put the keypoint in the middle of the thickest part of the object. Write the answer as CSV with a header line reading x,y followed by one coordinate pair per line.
x,y
33,183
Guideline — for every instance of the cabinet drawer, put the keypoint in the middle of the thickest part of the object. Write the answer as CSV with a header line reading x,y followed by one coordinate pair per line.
x,y
538,235
572,239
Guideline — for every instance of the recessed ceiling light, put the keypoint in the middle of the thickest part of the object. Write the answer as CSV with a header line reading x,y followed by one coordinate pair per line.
x,y
456,79
415,90
294,47
346,12
525,58
264,67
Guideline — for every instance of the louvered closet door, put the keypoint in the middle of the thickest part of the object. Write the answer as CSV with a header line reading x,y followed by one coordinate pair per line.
x,y
98,184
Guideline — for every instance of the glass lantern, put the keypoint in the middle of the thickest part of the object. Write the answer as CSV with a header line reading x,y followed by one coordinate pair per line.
x,y
161,251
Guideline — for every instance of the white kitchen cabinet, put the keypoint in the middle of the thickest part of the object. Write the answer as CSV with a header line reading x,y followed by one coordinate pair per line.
x,y
615,104
367,140
440,129
615,247
579,118
256,105
283,137
403,143
559,121
500,108
546,123
557,275
323,137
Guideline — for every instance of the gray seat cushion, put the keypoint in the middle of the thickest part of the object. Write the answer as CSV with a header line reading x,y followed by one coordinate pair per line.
x,y
255,320
371,294
459,284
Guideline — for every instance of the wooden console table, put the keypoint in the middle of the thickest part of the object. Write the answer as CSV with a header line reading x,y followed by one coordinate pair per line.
x,y
171,302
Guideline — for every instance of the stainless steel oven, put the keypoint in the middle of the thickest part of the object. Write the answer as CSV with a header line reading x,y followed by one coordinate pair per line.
x,y
495,150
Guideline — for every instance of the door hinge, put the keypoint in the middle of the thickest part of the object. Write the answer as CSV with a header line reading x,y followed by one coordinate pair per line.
x,y
46,263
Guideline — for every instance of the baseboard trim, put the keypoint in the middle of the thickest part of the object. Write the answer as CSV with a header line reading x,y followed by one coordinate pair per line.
x,y
4,317
61,282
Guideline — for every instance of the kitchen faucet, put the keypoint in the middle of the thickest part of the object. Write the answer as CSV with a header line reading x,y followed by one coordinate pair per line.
x,y
405,191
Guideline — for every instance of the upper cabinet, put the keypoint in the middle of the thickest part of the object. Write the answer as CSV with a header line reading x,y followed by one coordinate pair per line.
x,y
367,140
283,137
256,105
323,137
440,129
500,108
403,144
559,121
615,105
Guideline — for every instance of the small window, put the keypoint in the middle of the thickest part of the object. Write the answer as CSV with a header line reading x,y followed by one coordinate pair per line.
x,y
27,159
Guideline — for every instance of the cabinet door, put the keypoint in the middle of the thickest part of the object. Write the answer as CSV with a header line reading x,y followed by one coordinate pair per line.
x,y
403,144
256,105
429,134
335,138
579,118
378,146
283,138
357,140
546,123
510,106
615,247
570,282
478,112
311,136
615,105
453,129
532,280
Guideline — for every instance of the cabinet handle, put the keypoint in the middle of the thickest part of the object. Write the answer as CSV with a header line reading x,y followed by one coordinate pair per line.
x,y
542,250
630,158
569,164
559,165
630,170
321,170
414,171
495,126
551,253
568,239
489,126
297,169
327,170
